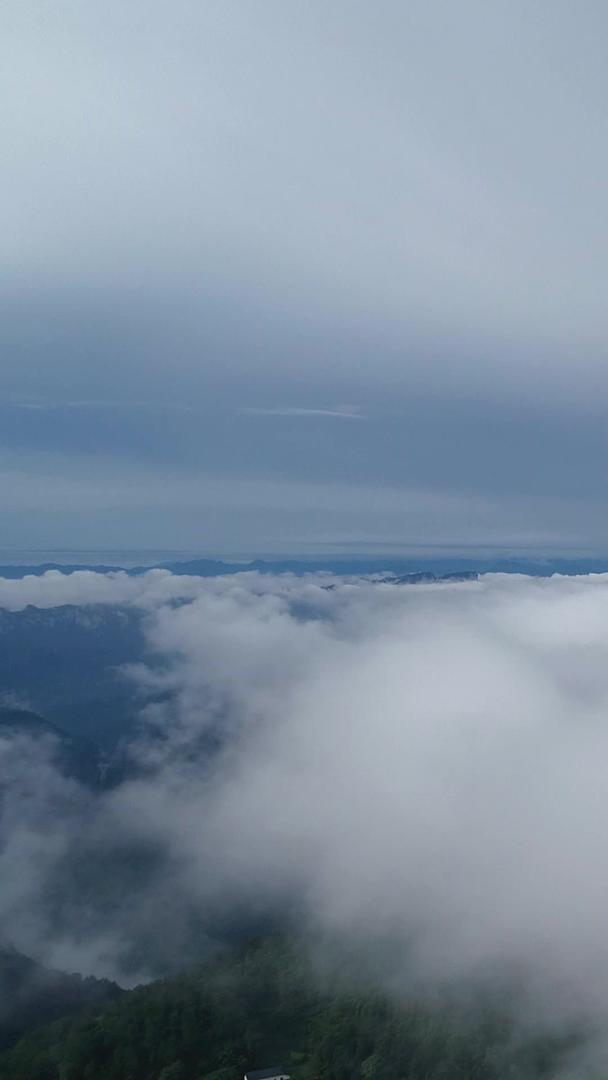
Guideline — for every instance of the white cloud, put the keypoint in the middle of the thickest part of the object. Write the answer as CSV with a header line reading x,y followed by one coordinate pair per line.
x,y
421,761
53,589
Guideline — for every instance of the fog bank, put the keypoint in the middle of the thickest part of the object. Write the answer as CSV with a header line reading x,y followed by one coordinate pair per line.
x,y
420,763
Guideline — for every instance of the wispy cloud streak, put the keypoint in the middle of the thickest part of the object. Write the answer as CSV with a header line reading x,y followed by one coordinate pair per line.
x,y
339,412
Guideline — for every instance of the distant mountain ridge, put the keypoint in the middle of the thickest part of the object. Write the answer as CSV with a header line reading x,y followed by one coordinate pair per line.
x,y
432,566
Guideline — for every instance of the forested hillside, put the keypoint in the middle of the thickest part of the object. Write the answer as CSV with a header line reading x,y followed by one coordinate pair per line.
x,y
31,994
266,1004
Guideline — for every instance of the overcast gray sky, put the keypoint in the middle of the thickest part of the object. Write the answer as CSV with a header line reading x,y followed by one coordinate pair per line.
x,y
298,275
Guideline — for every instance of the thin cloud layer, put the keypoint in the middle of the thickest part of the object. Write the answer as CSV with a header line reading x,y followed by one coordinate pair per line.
x,y
401,206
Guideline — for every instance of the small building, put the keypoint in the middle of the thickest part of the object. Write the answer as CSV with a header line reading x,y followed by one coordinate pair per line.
x,y
274,1072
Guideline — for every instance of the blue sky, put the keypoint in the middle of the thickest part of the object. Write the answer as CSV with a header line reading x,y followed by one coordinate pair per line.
x,y
304,276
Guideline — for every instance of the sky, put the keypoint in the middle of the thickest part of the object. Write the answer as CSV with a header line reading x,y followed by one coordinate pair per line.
x,y
303,277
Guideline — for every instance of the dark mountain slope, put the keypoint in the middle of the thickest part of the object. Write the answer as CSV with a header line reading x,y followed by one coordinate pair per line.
x,y
64,662
31,995
75,757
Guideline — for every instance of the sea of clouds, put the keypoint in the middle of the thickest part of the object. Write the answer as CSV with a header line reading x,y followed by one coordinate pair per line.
x,y
426,764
